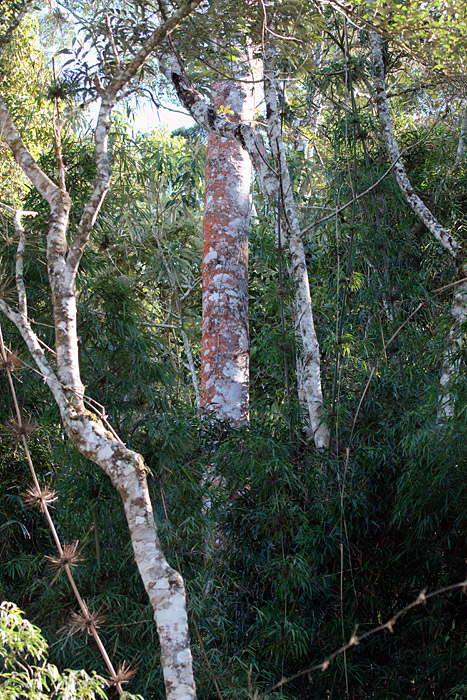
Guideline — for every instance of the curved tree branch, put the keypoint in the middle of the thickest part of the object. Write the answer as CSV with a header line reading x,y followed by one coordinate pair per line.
x,y
451,361
85,430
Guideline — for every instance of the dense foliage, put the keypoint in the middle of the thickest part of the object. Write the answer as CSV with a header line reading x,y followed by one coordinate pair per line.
x,y
296,547
20,643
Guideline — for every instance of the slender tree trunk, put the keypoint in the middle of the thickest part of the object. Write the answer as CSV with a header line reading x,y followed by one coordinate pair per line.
x,y
227,213
302,145
309,366
451,363
451,356
85,430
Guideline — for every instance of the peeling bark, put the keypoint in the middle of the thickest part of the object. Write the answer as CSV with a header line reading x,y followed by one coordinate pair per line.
x,y
226,220
205,114
451,362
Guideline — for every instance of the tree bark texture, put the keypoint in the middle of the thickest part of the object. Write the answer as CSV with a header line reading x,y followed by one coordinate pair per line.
x,y
227,213
205,114
85,430
451,362
451,357
127,472
413,200
309,376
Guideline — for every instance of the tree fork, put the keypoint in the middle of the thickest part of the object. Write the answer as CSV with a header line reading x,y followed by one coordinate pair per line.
x,y
204,113
125,468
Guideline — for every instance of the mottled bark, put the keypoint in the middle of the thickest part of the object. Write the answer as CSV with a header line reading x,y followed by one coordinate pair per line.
x,y
60,279
392,147
310,363
226,220
451,357
19,273
205,114
451,361
124,467
127,472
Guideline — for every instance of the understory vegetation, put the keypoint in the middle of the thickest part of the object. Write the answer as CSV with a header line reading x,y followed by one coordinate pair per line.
x,y
286,551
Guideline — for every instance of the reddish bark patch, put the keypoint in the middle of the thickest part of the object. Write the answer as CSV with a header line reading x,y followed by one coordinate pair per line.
x,y
227,211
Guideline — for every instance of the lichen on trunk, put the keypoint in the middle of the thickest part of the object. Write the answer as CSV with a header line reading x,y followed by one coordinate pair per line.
x,y
226,220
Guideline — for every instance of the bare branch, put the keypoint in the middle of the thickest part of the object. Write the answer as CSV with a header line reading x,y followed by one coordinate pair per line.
x,y
101,185
451,361
12,210
369,189
21,289
413,200
20,233
205,114
38,355
355,638
109,97
112,39
156,38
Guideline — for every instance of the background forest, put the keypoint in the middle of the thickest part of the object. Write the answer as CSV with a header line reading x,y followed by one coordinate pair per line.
x,y
284,547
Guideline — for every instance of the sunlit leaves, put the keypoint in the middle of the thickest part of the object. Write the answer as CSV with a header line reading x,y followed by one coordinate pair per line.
x,y
22,644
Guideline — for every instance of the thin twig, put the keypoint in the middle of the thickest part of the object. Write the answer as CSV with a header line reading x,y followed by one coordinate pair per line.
x,y
12,210
112,39
355,639
45,509
208,663
374,185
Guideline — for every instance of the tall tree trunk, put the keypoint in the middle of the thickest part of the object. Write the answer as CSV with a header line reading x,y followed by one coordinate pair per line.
x,y
309,367
451,364
226,220
205,114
